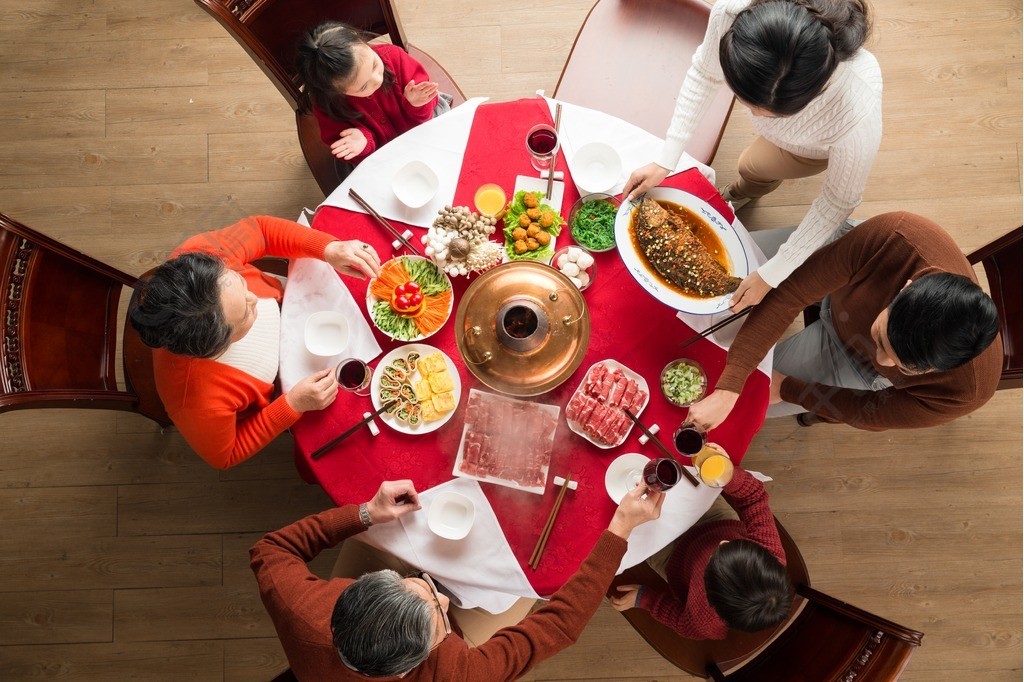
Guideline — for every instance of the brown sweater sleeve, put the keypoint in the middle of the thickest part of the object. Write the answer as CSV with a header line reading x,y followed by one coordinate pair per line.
x,y
513,651
827,269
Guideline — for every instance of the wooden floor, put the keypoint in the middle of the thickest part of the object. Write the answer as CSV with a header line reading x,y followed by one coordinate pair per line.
x,y
127,125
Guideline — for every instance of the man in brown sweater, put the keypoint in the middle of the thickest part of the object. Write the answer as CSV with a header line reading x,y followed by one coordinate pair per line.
x,y
384,626
905,338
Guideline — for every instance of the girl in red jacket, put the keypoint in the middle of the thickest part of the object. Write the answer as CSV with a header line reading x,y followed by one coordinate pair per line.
x,y
363,95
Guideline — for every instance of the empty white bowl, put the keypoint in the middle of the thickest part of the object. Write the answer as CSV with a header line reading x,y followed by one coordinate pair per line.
x,y
326,333
415,184
623,474
451,515
596,167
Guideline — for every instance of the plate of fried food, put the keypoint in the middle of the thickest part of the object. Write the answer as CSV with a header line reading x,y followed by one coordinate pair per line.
x,y
681,250
531,227
424,384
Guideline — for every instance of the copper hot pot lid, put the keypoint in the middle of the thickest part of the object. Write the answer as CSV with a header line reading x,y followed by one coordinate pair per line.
x,y
522,328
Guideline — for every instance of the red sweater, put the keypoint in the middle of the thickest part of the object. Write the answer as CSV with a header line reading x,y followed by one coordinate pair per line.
x,y
864,270
685,607
300,605
225,414
386,113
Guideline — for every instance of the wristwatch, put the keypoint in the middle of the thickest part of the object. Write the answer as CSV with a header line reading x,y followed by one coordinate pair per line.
x,y
364,515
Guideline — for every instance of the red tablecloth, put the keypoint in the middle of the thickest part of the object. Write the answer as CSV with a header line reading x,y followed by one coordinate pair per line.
x,y
627,324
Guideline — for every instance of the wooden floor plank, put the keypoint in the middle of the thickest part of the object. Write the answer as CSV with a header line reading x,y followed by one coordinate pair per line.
x,y
180,613
56,617
141,661
52,115
246,660
89,511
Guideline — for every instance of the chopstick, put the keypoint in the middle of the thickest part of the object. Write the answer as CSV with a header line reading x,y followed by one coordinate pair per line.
x,y
366,420
542,541
554,154
384,223
715,327
654,439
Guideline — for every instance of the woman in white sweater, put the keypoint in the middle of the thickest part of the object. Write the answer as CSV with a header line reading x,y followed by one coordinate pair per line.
x,y
815,95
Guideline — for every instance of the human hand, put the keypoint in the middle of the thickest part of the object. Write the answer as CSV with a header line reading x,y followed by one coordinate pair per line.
x,y
393,499
644,179
315,392
713,410
775,392
354,258
349,144
639,505
628,597
750,292
418,94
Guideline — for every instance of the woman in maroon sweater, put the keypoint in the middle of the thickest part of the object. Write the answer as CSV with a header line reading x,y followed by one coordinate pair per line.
x,y
363,95
724,574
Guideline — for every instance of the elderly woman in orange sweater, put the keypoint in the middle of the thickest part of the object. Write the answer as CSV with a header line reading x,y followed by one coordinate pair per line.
x,y
214,321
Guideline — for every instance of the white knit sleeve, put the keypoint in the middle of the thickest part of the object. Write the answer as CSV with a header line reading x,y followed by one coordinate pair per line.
x,y
700,85
849,163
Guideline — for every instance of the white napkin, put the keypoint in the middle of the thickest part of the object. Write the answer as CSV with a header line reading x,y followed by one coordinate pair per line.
x,y
683,507
440,143
313,285
473,569
636,146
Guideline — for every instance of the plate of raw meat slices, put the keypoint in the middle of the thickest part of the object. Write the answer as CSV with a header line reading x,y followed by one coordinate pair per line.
x,y
681,250
595,410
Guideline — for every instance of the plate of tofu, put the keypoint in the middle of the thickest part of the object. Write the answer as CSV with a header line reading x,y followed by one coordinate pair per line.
x,y
423,384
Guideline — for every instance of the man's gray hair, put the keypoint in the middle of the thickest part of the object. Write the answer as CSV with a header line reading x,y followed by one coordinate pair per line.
x,y
380,627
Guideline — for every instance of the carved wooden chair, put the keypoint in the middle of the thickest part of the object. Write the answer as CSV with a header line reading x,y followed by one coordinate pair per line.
x,y
629,60
60,315
269,31
1001,260
792,644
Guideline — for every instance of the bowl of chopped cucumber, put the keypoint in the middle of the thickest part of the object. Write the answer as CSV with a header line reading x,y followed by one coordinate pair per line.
x,y
683,382
592,222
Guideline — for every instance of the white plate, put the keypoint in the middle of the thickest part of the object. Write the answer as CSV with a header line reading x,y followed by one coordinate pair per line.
x,y
651,281
371,299
400,352
451,515
623,474
577,428
596,168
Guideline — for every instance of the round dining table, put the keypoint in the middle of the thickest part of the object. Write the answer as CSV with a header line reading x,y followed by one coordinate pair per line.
x,y
627,325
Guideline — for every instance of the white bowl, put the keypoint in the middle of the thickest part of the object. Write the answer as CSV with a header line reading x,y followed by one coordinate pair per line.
x,y
326,333
623,474
596,167
451,515
415,184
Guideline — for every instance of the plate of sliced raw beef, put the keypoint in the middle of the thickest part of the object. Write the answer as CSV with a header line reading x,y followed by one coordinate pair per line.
x,y
595,409
507,441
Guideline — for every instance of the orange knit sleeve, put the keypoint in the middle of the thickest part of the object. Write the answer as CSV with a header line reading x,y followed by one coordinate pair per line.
x,y
256,237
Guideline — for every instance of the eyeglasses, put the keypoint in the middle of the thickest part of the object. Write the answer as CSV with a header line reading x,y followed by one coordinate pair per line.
x,y
425,577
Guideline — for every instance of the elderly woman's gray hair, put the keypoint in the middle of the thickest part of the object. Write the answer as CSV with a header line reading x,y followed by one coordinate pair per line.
x,y
380,627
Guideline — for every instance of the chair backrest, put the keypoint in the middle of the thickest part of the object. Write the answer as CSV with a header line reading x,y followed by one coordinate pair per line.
x,y
830,641
269,30
1001,260
629,60
694,656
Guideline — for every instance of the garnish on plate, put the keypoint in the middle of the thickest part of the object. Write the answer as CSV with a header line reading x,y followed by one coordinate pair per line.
x,y
413,298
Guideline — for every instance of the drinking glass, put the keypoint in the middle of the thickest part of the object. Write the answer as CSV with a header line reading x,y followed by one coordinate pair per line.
x,y
714,468
489,200
354,375
661,475
689,438
542,143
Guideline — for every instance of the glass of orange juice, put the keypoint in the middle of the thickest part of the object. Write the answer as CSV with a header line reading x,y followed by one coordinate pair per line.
x,y
490,200
714,468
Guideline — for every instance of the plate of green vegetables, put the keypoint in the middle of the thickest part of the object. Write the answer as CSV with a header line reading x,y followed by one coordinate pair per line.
x,y
592,221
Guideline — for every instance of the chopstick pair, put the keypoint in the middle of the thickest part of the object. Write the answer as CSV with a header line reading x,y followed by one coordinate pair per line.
x,y
542,541
715,327
383,222
366,420
554,154
654,439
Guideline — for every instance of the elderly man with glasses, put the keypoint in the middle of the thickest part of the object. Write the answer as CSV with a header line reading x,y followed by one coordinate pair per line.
x,y
383,625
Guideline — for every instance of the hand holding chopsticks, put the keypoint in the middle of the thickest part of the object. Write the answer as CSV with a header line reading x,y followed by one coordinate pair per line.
x,y
715,327
542,541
